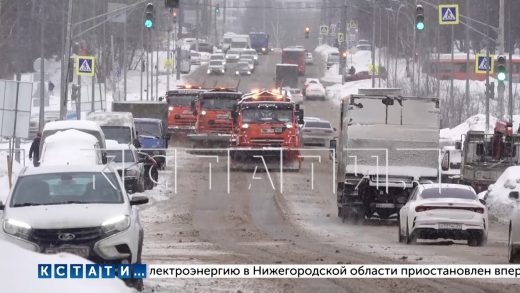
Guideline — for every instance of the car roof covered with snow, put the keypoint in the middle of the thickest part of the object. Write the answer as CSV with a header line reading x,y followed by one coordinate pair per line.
x,y
71,136
65,169
72,124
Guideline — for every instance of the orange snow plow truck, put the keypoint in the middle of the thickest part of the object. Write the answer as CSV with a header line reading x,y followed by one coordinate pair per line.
x,y
181,120
214,124
266,133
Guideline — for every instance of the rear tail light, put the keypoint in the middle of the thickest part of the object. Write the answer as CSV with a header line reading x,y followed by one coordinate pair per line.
x,y
419,209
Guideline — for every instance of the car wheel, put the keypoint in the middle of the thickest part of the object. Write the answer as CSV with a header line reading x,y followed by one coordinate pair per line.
x,y
410,239
401,238
512,254
140,185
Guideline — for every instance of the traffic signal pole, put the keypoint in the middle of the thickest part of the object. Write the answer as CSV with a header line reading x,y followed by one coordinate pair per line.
x,y
180,21
65,62
373,43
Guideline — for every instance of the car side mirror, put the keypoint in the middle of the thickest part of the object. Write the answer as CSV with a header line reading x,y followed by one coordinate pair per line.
x,y
482,201
333,143
104,158
300,117
514,195
138,200
161,99
445,165
2,206
458,145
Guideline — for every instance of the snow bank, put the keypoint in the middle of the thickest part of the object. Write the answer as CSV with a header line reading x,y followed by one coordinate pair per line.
x,y
498,202
337,92
25,263
475,123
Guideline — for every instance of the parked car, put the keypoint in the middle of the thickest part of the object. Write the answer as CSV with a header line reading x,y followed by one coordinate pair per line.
x,y
317,132
89,127
294,94
117,126
83,210
451,211
243,68
195,58
315,91
232,55
309,59
250,52
71,147
153,138
128,164
307,82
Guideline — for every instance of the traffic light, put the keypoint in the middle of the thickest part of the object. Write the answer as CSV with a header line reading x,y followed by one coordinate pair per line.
x,y
174,14
217,9
149,16
419,18
307,31
171,3
501,69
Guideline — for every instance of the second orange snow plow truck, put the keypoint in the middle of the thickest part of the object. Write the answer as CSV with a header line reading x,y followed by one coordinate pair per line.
x,y
266,131
180,116
214,123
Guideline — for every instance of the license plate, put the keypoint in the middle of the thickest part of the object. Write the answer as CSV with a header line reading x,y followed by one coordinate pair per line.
x,y
278,130
222,116
450,226
81,251
267,130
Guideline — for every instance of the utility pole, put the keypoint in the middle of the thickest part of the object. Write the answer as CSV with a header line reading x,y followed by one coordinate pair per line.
x,y
451,103
468,68
64,67
168,49
180,21
501,32
373,43
151,63
510,59
124,63
343,47
41,121
224,5
380,47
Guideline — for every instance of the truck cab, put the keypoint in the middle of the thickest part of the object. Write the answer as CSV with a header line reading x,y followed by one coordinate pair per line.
x,y
213,116
181,119
267,123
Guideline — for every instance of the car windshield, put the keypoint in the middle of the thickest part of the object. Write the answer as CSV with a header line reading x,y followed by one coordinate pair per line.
x,y
121,134
266,115
122,156
218,104
448,193
316,124
234,52
66,188
181,101
215,63
243,66
148,128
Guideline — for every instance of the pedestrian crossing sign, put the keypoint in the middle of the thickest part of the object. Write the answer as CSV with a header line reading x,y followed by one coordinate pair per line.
x,y
324,30
85,65
449,14
481,64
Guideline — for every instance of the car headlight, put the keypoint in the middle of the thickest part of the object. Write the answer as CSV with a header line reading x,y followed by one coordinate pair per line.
x,y
209,71
256,57
170,108
289,125
222,70
116,224
131,172
263,49
249,72
203,113
245,126
17,228
237,73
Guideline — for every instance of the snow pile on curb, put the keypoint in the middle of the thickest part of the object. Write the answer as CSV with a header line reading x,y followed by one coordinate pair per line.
x,y
498,202
4,179
337,92
26,264
475,123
